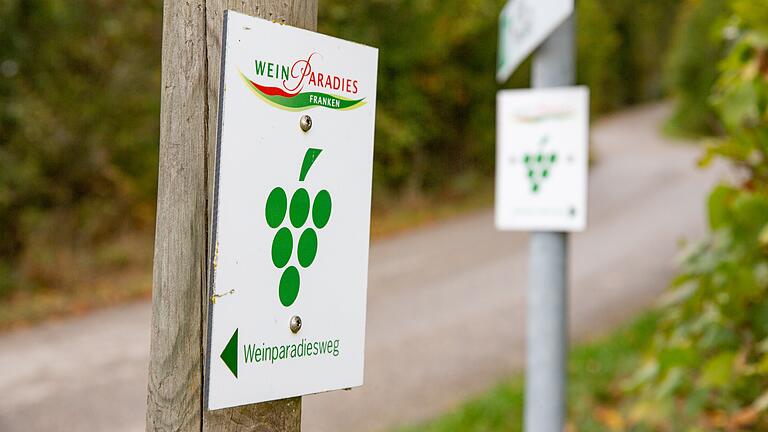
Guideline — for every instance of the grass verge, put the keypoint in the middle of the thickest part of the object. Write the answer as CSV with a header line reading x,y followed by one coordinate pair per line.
x,y
595,372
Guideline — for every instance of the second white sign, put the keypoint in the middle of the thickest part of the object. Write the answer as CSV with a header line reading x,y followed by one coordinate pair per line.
x,y
541,159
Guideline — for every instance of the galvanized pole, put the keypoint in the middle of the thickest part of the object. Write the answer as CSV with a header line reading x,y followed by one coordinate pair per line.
x,y
547,321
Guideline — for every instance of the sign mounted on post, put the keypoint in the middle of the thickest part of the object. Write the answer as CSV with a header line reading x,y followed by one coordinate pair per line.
x,y
541,159
291,213
523,26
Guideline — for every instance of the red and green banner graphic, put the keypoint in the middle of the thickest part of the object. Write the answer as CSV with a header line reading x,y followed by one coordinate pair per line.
x,y
544,116
301,100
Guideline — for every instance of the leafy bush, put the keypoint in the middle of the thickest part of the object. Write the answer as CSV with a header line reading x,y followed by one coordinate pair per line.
x,y
643,29
709,361
598,45
691,69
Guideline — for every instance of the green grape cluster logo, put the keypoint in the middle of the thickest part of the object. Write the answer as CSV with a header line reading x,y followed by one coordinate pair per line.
x,y
539,166
297,223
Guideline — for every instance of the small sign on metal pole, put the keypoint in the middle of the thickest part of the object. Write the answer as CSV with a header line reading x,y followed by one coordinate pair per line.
x,y
541,159
523,26
541,185
291,214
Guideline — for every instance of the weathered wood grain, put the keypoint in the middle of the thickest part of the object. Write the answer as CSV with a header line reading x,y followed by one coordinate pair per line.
x,y
189,99
175,381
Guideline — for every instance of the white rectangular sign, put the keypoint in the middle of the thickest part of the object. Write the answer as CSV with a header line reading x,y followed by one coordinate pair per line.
x,y
541,159
291,213
523,26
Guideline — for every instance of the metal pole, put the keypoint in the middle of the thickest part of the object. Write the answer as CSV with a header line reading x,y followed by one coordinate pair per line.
x,y
547,321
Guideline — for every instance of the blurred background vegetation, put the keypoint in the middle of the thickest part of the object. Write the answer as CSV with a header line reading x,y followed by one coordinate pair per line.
x,y
79,120
78,141
707,364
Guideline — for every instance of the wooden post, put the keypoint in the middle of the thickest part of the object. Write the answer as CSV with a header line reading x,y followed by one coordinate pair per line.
x,y
190,87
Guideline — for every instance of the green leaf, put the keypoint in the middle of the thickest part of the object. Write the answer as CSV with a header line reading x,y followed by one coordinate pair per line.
x,y
762,238
718,203
648,371
762,365
671,382
679,294
761,403
675,357
718,371
751,212
738,105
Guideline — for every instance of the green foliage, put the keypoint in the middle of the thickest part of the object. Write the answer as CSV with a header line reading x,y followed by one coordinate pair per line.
x,y
436,91
643,29
78,129
691,68
711,350
436,102
598,45
79,126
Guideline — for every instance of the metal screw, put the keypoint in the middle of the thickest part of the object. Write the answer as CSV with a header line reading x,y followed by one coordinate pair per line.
x,y
295,324
305,123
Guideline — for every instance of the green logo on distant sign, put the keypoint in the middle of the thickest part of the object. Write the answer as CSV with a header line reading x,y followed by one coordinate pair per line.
x,y
298,211
538,166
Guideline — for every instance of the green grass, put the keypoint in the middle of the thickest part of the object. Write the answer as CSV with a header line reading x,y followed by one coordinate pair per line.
x,y
595,372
